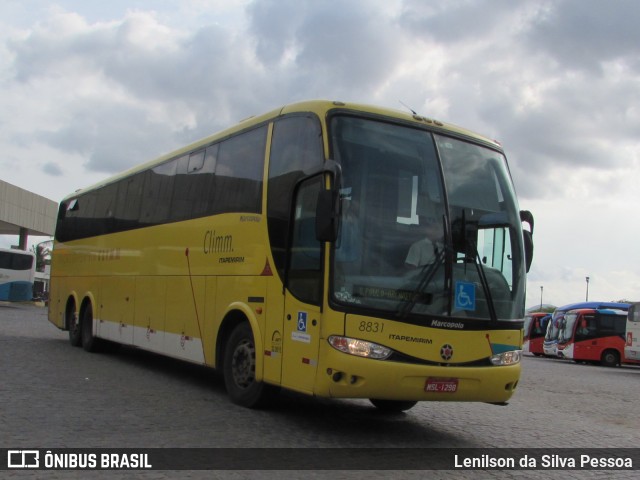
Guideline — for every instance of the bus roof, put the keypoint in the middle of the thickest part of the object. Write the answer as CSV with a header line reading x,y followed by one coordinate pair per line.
x,y
319,107
605,310
538,314
593,305
17,251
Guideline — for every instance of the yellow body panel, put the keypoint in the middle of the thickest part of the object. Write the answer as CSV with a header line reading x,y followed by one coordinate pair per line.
x,y
365,378
149,316
425,343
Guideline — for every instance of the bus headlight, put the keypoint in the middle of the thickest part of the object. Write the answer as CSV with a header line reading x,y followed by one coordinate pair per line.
x,y
360,348
507,358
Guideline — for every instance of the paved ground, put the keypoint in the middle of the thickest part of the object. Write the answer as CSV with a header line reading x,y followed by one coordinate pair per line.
x,y
54,396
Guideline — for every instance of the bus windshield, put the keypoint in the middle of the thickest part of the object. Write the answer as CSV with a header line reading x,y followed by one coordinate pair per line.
x,y
429,225
565,327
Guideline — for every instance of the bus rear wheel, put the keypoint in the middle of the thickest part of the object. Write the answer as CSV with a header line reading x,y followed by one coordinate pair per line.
x,y
392,406
89,342
610,358
239,369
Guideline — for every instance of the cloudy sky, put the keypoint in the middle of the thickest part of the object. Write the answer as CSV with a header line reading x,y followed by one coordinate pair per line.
x,y
88,89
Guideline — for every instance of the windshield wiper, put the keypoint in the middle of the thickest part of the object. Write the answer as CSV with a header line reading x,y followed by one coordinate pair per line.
x,y
485,287
426,275
471,250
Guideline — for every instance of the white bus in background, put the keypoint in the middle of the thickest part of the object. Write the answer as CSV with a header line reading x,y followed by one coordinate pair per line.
x,y
17,271
632,334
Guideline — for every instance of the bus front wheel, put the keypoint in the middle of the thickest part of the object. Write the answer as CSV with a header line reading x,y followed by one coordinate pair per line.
x,y
610,358
73,323
239,369
392,406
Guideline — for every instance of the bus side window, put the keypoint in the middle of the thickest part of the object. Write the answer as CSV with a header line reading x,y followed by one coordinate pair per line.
x,y
239,171
105,210
296,149
128,203
590,327
305,263
158,189
202,166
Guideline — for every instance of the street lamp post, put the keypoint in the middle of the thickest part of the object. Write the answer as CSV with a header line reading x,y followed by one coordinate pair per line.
x,y
541,288
587,297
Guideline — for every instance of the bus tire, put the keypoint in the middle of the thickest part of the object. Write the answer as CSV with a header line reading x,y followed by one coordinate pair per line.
x,y
73,323
239,370
89,342
392,406
610,358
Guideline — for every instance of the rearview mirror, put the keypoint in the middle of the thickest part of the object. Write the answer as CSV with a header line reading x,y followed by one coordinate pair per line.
x,y
527,217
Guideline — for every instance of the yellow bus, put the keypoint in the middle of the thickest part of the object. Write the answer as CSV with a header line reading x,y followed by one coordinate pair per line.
x,y
333,249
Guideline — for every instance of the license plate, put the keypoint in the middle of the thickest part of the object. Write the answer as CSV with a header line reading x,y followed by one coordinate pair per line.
x,y
441,385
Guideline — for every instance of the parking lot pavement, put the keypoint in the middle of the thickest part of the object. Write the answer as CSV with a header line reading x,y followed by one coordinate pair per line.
x,y
56,396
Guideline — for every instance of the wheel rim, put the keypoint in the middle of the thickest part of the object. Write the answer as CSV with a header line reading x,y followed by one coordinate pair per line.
x,y
243,364
75,325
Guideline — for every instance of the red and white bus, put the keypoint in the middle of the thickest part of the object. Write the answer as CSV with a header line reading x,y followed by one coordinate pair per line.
x,y
593,335
535,326
550,344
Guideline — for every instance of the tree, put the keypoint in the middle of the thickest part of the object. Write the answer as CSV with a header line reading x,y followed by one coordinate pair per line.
x,y
43,254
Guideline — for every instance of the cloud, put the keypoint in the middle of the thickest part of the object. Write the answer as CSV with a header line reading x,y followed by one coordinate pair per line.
x,y
128,90
460,22
586,35
326,48
52,169
505,76
90,91
508,77
134,88
111,138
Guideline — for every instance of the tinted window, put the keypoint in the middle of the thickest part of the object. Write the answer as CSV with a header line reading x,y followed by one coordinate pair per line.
x,y
129,202
239,170
181,198
612,324
224,177
296,149
194,184
305,268
156,201
106,202
15,261
202,166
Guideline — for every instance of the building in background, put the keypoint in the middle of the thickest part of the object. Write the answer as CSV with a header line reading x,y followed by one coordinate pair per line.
x,y
24,214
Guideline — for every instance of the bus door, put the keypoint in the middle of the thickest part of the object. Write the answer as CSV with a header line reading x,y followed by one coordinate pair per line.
x,y
632,334
303,292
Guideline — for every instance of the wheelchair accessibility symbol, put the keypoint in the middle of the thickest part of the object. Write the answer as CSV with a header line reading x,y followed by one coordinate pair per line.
x,y
302,321
465,296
